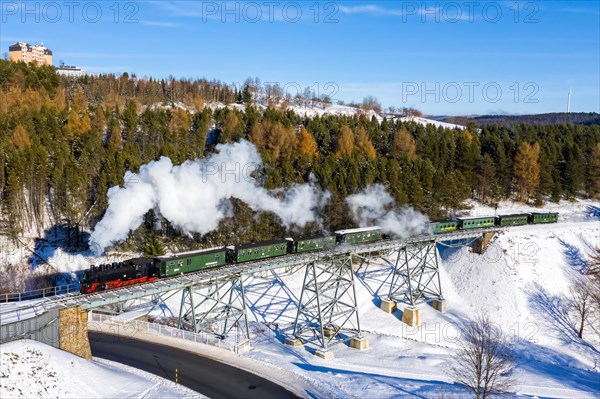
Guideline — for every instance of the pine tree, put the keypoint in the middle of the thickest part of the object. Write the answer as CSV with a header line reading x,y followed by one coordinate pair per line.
x,y
594,172
485,177
153,246
526,170
574,170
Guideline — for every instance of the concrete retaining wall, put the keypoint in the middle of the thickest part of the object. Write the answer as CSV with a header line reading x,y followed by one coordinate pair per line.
x,y
43,328
65,329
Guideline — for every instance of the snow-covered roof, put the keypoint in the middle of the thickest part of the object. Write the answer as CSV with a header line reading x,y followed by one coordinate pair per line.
x,y
358,230
180,254
475,217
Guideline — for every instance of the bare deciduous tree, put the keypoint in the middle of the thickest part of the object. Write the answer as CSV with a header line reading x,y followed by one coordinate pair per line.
x,y
594,267
584,299
484,361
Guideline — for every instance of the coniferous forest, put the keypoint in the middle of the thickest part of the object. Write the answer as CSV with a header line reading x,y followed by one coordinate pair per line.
x,y
65,141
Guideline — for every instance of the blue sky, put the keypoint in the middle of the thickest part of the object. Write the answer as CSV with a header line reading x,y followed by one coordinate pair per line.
x,y
471,57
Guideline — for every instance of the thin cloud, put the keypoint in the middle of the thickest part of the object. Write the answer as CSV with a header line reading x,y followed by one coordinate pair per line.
x,y
160,24
427,13
369,9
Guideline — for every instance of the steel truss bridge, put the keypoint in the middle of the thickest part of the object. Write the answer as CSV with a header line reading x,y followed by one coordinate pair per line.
x,y
214,299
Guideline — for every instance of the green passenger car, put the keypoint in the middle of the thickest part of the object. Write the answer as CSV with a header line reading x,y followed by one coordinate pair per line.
x,y
443,226
311,243
358,236
476,222
256,251
187,262
536,218
512,220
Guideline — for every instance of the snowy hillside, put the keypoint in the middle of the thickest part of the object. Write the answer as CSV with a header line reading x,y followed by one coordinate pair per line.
x,y
312,109
433,122
30,369
309,109
521,282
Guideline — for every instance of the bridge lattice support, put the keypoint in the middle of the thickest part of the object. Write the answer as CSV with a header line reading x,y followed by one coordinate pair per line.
x,y
416,275
328,302
218,307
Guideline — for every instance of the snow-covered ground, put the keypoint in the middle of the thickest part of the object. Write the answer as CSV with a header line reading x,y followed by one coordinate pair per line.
x,y
522,282
30,369
425,121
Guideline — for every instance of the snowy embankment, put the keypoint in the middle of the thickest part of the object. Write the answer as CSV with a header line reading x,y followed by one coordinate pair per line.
x,y
30,369
522,282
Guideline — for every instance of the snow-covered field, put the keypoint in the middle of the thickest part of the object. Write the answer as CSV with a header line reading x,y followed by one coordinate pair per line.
x,y
30,369
522,282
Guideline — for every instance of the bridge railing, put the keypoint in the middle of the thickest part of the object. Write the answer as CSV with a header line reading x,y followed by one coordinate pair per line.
x,y
128,328
39,293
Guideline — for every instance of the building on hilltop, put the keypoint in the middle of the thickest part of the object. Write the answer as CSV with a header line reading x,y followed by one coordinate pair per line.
x,y
70,70
28,53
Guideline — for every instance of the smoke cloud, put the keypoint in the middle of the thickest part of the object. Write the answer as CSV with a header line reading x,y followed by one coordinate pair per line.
x,y
194,196
374,205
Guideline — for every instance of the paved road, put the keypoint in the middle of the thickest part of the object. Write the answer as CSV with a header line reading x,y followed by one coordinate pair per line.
x,y
208,377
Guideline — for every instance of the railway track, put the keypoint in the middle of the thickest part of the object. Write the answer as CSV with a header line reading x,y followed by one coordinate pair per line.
x,y
206,276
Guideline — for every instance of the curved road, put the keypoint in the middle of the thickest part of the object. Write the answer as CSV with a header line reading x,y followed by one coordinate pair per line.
x,y
206,376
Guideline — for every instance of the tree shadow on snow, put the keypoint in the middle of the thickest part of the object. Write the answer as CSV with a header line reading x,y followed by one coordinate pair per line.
x,y
69,239
574,257
593,211
556,310
398,386
548,362
270,300
376,280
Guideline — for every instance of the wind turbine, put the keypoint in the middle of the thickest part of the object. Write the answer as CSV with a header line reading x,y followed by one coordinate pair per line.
x,y
569,102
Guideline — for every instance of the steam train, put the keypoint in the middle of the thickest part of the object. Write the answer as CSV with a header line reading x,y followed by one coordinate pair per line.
x,y
140,270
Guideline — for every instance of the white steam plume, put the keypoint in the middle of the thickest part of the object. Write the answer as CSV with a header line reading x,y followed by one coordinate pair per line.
x,y
194,196
374,205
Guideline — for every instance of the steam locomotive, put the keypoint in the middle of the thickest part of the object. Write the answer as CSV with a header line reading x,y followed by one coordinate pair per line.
x,y
140,270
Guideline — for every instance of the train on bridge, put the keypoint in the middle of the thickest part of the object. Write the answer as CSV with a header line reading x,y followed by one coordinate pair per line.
x,y
140,270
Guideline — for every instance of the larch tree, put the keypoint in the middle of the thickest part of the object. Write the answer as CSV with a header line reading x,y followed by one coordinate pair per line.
x,y
116,136
257,135
404,143
526,170
20,138
305,143
231,129
345,142
180,122
363,143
